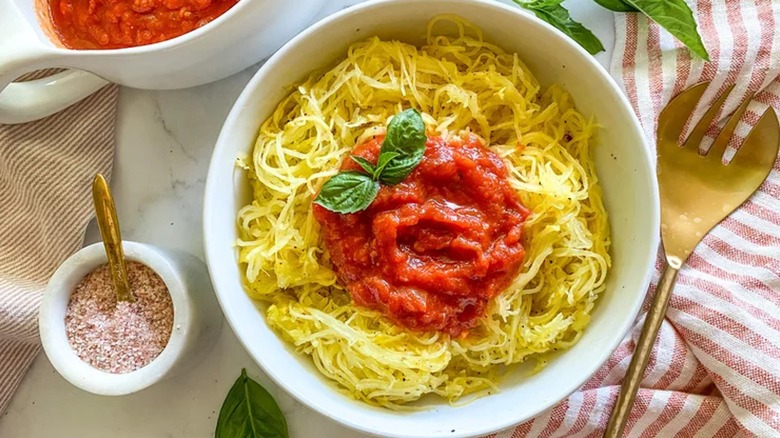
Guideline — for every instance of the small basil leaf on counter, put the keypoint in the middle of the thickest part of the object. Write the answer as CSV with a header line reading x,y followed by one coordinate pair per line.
x,y
405,137
347,192
553,13
617,5
249,411
677,18
365,164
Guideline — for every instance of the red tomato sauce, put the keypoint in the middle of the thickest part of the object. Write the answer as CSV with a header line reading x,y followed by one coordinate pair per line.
x,y
113,24
431,251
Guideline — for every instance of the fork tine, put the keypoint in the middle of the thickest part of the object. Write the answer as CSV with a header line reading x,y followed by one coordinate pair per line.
x,y
719,146
694,139
761,145
672,119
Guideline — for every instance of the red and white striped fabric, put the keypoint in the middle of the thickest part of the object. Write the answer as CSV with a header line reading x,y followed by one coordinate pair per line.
x,y
46,171
715,369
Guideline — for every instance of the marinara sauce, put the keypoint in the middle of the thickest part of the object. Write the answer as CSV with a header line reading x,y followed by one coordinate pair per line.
x,y
431,251
113,24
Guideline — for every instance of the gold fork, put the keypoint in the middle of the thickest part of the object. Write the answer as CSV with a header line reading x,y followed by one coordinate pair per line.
x,y
697,192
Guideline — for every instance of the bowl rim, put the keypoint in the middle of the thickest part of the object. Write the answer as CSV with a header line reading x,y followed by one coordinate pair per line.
x,y
212,193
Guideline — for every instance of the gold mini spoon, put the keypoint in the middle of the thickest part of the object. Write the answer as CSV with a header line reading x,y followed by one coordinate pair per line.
x,y
112,238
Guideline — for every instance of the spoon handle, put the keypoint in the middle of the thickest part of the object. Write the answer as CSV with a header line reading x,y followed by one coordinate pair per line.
x,y
112,238
636,370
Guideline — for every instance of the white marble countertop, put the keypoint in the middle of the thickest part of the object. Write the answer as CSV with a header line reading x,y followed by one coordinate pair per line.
x,y
164,143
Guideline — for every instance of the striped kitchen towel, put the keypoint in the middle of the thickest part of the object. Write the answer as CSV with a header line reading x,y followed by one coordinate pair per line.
x,y
46,171
715,369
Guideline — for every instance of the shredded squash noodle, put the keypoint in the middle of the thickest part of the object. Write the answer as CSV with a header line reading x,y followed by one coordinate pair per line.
x,y
460,83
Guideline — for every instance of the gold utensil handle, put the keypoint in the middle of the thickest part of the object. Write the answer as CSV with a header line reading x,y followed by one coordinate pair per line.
x,y
112,238
636,370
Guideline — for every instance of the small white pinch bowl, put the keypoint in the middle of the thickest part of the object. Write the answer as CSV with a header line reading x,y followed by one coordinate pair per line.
x,y
197,319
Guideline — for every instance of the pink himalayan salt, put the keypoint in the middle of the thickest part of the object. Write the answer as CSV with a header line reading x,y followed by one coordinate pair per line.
x,y
119,337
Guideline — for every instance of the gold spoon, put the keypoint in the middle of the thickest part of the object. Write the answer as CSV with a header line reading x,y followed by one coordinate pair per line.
x,y
112,238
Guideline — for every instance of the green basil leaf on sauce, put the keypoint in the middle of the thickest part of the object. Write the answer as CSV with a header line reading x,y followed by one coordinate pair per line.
x,y
402,150
249,411
617,5
347,192
553,13
365,164
398,169
405,137
677,18
383,161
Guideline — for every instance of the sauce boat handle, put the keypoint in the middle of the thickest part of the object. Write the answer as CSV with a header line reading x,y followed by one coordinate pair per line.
x,y
22,102
22,52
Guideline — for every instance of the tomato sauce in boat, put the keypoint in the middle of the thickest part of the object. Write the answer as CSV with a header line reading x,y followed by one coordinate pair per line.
x,y
431,251
113,24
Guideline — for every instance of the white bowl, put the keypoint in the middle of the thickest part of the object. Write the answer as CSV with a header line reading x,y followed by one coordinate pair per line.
x,y
623,162
196,318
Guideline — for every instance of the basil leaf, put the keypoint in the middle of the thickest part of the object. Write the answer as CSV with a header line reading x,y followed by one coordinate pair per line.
x,y
553,13
402,150
399,168
249,411
677,18
405,134
347,192
617,5
405,137
383,161
365,164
